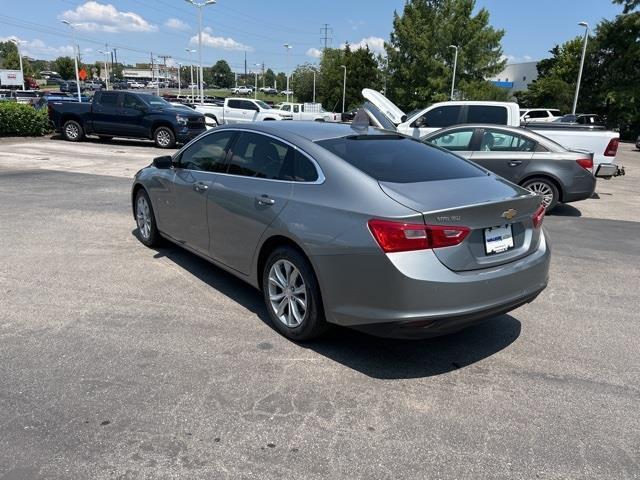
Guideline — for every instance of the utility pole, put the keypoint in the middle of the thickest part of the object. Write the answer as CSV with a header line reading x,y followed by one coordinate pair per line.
x,y
344,86
75,56
115,55
455,66
164,58
245,67
326,39
584,51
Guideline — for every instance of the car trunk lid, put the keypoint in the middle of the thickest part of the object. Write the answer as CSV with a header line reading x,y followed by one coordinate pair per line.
x,y
491,209
385,105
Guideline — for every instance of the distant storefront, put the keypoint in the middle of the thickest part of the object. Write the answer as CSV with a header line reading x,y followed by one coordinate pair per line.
x,y
516,76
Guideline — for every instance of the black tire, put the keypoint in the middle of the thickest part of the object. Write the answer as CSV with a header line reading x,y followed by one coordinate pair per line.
x,y
149,235
164,137
72,131
537,183
313,323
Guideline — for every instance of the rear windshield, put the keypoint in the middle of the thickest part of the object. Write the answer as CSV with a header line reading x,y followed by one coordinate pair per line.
x,y
397,159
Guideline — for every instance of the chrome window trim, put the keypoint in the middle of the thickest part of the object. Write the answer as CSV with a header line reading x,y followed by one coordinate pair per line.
x,y
319,181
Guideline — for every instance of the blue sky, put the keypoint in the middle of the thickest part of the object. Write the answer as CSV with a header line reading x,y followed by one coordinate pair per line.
x,y
137,27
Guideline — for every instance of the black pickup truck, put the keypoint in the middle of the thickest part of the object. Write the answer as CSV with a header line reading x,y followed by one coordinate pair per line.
x,y
127,114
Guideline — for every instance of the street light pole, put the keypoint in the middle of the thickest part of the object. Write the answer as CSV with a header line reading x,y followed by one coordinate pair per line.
x,y
75,56
584,51
314,86
455,66
106,72
255,87
200,6
191,62
17,42
179,79
344,86
288,47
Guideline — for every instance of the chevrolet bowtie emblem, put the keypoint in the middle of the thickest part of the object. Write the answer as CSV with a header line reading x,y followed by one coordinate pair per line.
x,y
509,214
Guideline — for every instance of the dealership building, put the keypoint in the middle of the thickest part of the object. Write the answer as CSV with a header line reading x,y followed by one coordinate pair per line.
x,y
516,76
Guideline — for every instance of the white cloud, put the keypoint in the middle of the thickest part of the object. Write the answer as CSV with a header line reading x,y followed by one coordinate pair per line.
x,y
376,44
176,24
516,59
314,53
36,48
94,16
208,40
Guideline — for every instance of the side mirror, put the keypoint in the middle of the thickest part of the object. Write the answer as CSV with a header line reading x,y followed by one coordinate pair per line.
x,y
163,163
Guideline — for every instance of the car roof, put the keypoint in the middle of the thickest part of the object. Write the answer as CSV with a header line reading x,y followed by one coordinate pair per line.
x,y
309,130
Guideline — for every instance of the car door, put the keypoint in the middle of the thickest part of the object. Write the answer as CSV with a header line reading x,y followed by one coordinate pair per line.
x,y
504,152
132,116
182,204
106,113
235,111
245,201
457,140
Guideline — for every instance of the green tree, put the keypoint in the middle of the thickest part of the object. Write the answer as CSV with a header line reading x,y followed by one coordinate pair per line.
x,y
281,80
420,60
362,72
550,92
221,74
10,59
65,67
269,78
629,5
302,81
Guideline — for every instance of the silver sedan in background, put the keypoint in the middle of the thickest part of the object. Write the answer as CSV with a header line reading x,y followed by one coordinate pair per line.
x,y
525,158
357,227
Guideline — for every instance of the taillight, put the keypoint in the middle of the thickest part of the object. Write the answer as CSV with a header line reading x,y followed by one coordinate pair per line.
x,y
404,237
612,148
586,163
538,217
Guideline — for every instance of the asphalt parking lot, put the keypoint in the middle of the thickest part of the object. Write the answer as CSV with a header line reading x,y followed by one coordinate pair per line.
x,y
117,361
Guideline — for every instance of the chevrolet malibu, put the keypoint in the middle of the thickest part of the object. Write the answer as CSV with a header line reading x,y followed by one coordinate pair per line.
x,y
358,227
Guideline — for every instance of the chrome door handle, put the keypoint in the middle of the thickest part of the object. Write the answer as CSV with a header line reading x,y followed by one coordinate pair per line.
x,y
265,200
200,187
515,163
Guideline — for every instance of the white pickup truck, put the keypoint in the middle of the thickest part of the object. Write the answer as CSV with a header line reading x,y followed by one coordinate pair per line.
x,y
603,143
240,110
309,111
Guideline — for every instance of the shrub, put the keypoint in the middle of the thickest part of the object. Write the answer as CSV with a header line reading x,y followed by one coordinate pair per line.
x,y
22,120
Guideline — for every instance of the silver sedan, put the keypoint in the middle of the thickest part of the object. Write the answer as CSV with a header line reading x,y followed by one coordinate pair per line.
x,y
357,227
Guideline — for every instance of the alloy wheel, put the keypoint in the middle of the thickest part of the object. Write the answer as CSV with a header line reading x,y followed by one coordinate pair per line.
x,y
163,138
287,293
544,190
143,217
71,131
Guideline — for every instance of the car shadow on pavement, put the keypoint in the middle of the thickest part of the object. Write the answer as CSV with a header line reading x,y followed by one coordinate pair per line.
x,y
119,142
565,210
375,357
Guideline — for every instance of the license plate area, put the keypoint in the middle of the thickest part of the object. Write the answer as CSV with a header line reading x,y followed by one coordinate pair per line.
x,y
498,239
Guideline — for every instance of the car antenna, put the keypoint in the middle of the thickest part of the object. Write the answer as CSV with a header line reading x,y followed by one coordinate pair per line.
x,y
360,122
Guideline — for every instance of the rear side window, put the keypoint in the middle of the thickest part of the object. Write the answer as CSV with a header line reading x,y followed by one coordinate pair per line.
x,y
235,104
391,158
260,156
499,141
109,99
491,114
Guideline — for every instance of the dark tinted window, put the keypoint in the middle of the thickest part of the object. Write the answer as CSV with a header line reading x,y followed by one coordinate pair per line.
x,y
247,105
208,153
109,99
234,104
392,158
442,116
487,114
260,156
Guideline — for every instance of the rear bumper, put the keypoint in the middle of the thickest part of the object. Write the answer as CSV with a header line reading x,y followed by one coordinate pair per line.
x,y
581,188
393,294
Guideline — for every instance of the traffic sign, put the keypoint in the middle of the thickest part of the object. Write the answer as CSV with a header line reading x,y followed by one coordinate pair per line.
x,y
82,74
